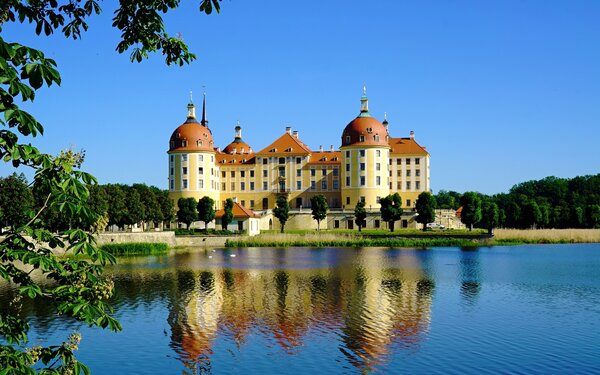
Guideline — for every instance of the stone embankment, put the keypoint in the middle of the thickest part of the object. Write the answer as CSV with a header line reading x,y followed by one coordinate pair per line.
x,y
163,237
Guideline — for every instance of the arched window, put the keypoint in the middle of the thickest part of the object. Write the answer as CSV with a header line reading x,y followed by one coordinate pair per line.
x,y
347,139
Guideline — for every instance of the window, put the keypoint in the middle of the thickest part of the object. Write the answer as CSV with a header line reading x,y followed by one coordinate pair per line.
x,y
298,160
378,153
378,180
335,172
369,130
299,185
185,185
200,170
407,161
251,185
408,173
362,153
172,171
324,185
252,174
376,137
242,186
347,167
336,185
281,160
223,174
417,161
223,186
313,185
265,173
348,154
265,186
362,180
398,161
243,203
171,158
336,224
399,185
233,186
172,184
347,139
361,138
362,199
418,172
347,200
390,173
362,166
184,170
418,185
232,174
212,159
200,184
242,174
299,172
281,171
408,203
183,157
324,171
265,161
407,185
251,203
200,157
377,166
313,172
377,223
399,173
377,199
347,181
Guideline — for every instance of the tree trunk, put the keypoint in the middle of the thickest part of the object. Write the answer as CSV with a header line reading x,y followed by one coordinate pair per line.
x,y
391,226
490,231
359,228
282,226
318,225
424,227
470,227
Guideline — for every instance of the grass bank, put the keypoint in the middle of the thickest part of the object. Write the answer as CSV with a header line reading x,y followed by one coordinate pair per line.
x,y
347,240
136,248
546,236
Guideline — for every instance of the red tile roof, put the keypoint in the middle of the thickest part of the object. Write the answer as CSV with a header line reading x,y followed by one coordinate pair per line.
x,y
239,212
407,146
287,144
326,157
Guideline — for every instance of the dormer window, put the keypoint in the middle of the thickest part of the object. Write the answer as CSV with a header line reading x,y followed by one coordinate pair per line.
x,y
199,143
376,137
361,138
347,139
184,143
369,130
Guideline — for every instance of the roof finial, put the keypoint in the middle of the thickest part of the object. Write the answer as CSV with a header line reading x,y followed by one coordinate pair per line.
x,y
364,103
191,108
191,99
384,116
364,89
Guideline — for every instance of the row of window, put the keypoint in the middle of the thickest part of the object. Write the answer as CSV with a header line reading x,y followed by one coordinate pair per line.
x,y
408,185
408,173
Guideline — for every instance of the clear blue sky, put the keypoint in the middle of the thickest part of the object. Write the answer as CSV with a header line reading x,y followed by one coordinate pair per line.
x,y
499,92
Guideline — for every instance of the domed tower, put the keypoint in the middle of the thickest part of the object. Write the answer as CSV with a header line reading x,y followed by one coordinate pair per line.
x,y
192,168
365,159
238,146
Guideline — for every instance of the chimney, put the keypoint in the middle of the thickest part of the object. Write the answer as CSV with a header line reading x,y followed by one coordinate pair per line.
x,y
331,148
321,148
218,149
250,150
412,134
288,129
295,133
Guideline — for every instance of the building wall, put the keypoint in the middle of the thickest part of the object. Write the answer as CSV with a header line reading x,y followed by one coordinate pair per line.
x,y
365,175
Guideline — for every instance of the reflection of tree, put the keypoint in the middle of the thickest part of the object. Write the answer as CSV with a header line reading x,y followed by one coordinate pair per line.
x,y
470,274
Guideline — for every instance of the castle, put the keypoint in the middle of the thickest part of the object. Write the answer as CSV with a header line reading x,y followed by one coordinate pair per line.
x,y
369,164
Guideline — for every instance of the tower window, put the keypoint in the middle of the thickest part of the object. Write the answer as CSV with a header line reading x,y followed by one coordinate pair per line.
x,y
362,153
361,138
347,139
376,137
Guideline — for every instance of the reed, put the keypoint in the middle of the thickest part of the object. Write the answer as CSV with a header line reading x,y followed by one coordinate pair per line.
x,y
503,236
136,248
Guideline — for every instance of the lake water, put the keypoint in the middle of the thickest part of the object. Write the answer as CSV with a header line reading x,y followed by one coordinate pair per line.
x,y
521,309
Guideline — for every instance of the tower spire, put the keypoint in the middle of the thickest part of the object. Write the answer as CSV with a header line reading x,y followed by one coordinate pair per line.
x,y
204,121
364,102
191,108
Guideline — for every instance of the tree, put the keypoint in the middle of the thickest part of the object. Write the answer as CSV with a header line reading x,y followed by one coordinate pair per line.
x,y
490,216
425,206
117,208
319,209
165,204
16,201
228,214
282,210
360,214
532,215
76,287
447,199
135,207
471,209
391,209
206,210
187,211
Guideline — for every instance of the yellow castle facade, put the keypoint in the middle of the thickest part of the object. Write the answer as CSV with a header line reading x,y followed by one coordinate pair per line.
x,y
369,165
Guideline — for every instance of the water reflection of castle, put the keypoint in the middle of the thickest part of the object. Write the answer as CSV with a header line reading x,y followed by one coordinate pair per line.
x,y
373,310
